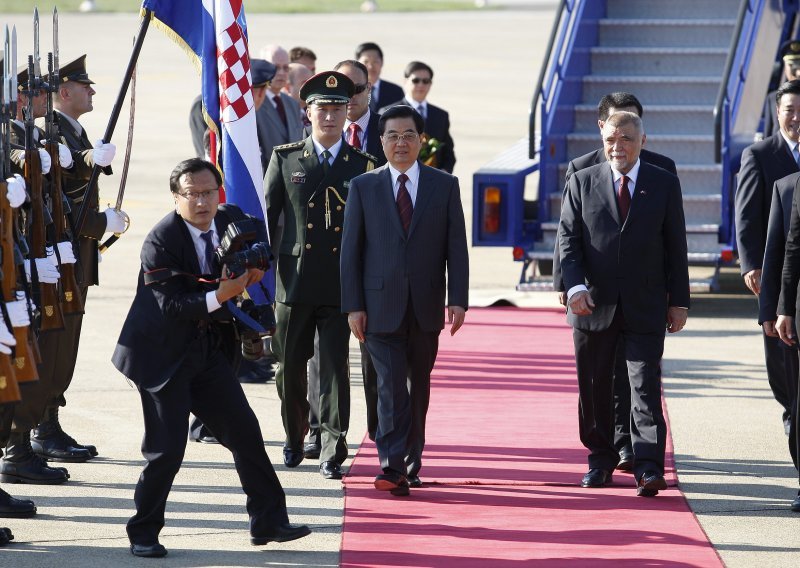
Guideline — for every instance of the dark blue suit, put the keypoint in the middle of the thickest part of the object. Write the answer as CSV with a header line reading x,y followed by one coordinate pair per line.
x,y
171,348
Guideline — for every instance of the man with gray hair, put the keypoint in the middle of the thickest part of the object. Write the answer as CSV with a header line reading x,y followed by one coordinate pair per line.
x,y
279,117
622,239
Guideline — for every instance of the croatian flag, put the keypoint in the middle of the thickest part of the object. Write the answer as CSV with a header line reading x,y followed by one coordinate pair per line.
x,y
214,35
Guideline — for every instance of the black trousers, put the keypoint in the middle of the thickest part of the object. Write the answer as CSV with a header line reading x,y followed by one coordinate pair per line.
x,y
205,385
622,400
778,374
293,345
59,350
595,353
403,361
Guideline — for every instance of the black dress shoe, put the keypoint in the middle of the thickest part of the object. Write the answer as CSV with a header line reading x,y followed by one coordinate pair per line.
x,y
394,483
16,508
149,550
59,450
650,484
596,477
292,458
330,470
312,449
414,481
281,533
795,506
33,470
208,439
625,460
4,540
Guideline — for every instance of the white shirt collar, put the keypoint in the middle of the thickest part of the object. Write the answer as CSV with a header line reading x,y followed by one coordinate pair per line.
x,y
632,175
792,144
200,244
412,185
334,150
362,122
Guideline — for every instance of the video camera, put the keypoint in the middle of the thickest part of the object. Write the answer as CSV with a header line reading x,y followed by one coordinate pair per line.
x,y
240,249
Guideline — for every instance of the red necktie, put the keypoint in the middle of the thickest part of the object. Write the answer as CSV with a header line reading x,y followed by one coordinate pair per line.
x,y
624,198
404,205
280,108
354,135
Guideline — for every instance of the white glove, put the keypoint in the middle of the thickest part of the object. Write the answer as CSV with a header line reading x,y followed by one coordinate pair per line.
x,y
64,156
44,157
16,190
103,154
115,223
6,338
18,312
48,273
66,252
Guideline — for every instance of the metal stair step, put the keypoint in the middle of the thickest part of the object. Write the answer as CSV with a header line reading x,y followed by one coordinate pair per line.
x,y
658,119
690,149
666,32
693,61
653,89
673,9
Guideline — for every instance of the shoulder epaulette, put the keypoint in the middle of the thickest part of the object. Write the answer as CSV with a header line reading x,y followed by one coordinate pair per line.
x,y
290,146
367,155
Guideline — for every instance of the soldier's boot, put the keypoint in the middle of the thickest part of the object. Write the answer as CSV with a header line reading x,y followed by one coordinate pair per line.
x,y
50,441
13,507
22,465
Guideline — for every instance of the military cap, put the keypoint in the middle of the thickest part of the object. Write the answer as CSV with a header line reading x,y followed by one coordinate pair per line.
x,y
262,71
75,71
22,79
790,50
328,87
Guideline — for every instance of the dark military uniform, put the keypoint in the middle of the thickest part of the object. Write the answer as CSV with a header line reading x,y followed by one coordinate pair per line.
x,y
308,291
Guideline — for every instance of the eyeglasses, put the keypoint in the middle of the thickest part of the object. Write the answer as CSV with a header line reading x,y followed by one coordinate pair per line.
x,y
423,80
405,137
206,195
360,89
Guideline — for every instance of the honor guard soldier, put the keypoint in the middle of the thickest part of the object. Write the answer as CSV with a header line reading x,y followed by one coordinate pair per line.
x,y
308,182
72,99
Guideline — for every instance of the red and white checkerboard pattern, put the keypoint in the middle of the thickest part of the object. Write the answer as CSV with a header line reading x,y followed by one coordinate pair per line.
x,y
233,64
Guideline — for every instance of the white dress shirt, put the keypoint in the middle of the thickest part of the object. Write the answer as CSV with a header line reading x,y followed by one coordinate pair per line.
x,y
334,150
412,184
200,249
362,122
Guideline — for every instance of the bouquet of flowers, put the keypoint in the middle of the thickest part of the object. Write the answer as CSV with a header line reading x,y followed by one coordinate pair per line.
x,y
429,153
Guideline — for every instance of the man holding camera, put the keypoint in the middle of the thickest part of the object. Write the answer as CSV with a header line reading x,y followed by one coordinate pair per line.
x,y
308,182
171,348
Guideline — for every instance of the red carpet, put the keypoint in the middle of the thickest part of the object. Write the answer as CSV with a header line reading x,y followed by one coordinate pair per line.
x,y
502,466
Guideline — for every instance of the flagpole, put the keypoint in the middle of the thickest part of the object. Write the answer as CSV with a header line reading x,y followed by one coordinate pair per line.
x,y
112,121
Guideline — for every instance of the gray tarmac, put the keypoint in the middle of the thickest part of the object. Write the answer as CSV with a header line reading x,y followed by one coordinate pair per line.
x,y
732,455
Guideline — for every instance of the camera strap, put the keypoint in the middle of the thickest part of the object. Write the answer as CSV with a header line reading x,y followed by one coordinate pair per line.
x,y
244,319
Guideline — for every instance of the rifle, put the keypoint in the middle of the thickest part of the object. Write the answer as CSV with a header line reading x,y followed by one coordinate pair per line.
x,y
23,368
52,317
71,300
9,387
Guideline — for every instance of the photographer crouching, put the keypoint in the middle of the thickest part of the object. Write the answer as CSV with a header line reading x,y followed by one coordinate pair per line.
x,y
175,346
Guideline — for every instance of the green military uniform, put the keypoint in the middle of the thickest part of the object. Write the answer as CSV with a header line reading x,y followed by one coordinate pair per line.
x,y
308,291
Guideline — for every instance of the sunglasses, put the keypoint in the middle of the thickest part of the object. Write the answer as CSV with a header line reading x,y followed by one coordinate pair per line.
x,y
360,89
418,80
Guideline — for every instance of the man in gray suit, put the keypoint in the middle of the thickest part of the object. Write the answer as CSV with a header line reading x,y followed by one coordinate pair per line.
x,y
622,239
403,230
278,118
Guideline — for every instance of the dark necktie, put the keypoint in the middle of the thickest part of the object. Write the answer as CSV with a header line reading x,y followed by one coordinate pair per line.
x,y
404,205
209,251
281,110
354,135
624,198
326,165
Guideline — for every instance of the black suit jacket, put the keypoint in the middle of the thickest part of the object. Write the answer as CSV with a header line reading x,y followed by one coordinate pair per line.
x,y
591,159
388,94
641,265
437,125
778,228
374,146
163,318
763,163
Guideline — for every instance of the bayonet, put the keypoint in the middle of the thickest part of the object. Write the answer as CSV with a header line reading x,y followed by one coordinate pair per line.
x,y
14,84
37,68
55,46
